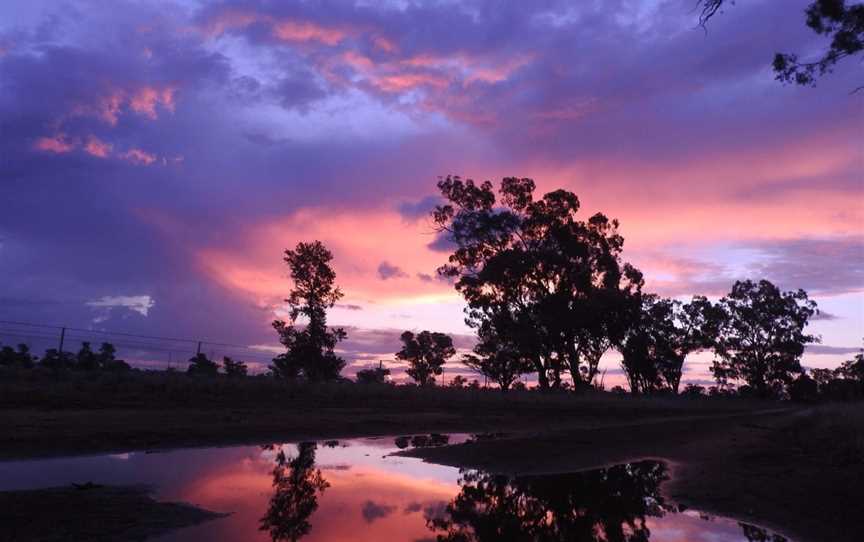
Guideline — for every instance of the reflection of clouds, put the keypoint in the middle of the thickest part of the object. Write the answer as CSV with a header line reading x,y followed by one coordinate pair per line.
x,y
376,499
413,507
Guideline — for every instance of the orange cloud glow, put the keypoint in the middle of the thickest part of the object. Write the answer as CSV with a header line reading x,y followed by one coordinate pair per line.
x,y
256,269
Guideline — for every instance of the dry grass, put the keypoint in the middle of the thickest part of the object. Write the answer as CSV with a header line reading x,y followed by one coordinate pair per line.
x,y
163,390
832,434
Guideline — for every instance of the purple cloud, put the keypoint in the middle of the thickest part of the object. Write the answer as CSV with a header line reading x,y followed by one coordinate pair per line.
x,y
387,271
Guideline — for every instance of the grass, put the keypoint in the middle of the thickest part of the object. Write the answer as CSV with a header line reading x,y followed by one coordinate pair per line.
x,y
833,434
165,390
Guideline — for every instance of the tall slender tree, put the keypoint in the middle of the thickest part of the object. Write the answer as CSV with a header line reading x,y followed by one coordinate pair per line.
x,y
310,349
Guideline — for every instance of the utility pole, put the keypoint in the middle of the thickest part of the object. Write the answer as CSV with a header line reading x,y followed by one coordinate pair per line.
x,y
198,352
62,337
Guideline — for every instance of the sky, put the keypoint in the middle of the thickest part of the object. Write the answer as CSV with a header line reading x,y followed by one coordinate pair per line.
x,y
156,158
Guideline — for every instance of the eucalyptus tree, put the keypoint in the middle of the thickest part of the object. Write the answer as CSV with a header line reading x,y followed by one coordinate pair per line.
x,y
841,22
658,344
532,263
761,336
426,353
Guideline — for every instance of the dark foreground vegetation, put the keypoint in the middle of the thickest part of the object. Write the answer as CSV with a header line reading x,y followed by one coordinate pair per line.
x,y
91,512
49,413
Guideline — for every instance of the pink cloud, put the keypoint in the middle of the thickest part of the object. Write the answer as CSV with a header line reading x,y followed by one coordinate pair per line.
x,y
301,31
139,157
56,144
143,101
408,81
385,44
96,147
289,30
146,99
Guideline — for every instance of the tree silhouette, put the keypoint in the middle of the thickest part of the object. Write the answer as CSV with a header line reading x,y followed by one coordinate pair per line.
x,y
497,355
296,486
842,23
234,369
758,534
54,359
606,505
86,359
309,350
20,357
201,365
373,375
458,382
667,331
761,336
107,359
558,282
853,369
426,354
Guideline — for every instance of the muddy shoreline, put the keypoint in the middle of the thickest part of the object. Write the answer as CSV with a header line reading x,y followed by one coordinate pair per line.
x,y
92,512
750,468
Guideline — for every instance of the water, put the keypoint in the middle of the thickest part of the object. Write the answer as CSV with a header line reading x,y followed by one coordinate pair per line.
x,y
355,490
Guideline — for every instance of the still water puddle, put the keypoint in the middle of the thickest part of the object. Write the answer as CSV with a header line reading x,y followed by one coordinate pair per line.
x,y
355,490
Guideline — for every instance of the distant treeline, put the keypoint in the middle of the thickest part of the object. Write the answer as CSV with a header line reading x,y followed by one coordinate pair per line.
x,y
548,295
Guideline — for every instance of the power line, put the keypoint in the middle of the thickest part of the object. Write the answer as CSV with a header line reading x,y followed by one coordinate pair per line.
x,y
39,331
120,333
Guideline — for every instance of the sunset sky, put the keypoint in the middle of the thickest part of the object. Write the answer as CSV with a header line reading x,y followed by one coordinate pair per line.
x,y
156,157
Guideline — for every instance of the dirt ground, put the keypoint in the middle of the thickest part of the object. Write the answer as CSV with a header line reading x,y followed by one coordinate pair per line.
x,y
93,513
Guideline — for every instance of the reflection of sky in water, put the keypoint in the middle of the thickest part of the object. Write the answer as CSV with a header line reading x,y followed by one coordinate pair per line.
x,y
371,496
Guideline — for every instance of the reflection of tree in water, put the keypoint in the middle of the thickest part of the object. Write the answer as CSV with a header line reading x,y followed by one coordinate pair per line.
x,y
296,485
607,505
422,441
757,534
